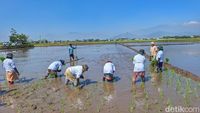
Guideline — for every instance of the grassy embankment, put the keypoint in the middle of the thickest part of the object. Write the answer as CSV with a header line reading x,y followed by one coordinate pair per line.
x,y
110,42
119,41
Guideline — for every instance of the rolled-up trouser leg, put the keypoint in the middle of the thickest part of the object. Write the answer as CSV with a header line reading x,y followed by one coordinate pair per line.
x,y
69,76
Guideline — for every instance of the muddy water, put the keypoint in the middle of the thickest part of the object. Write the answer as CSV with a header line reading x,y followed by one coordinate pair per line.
x,y
184,56
96,96
32,63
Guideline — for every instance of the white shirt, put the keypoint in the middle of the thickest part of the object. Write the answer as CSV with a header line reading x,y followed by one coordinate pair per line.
x,y
160,55
9,64
76,71
138,62
57,65
109,68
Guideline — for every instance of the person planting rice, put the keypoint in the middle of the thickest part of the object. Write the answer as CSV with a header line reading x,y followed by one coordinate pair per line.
x,y
74,73
12,73
139,68
71,52
160,59
153,51
54,67
108,70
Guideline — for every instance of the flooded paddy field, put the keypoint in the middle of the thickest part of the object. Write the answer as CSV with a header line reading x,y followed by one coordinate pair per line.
x,y
184,56
52,96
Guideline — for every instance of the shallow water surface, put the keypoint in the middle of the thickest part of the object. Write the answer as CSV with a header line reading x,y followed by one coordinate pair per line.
x,y
184,56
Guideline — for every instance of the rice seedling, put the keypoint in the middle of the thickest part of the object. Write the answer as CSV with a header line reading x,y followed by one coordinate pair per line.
x,y
132,105
169,102
178,85
98,108
196,93
186,99
161,94
188,86
62,102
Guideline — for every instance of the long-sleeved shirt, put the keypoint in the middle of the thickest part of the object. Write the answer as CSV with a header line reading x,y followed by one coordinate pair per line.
x,y
160,55
138,62
153,50
71,50
56,65
9,65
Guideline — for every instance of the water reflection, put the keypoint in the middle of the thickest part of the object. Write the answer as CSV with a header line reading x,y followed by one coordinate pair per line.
x,y
108,89
139,96
77,97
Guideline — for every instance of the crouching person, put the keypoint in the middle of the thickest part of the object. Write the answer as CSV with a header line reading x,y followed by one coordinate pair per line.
x,y
12,73
108,70
139,68
160,59
54,67
74,73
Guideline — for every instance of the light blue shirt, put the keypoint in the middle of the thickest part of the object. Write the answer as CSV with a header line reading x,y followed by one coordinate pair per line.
x,y
160,55
71,50
57,65
9,64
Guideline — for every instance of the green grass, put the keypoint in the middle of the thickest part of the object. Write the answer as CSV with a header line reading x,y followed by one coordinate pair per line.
x,y
118,41
66,43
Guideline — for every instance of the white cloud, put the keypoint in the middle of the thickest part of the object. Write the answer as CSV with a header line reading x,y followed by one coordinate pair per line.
x,y
192,23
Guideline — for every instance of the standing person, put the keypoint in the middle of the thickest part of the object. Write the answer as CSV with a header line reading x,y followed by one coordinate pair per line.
x,y
74,73
55,67
71,52
153,51
108,70
12,73
160,59
139,68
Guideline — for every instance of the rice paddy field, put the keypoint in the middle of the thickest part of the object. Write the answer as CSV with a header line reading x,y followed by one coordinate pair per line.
x,y
159,92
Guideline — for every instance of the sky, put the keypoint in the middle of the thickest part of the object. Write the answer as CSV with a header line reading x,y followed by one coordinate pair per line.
x,y
78,19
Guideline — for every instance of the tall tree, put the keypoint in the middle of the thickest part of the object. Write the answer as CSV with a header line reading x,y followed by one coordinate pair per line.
x,y
17,38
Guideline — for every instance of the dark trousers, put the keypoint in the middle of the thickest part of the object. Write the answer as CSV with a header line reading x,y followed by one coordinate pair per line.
x,y
159,66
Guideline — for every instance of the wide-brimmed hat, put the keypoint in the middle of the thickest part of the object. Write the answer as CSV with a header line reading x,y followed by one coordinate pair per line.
x,y
62,62
153,43
85,67
9,55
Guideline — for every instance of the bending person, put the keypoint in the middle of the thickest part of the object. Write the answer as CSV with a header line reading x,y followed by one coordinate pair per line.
x,y
108,70
74,73
55,67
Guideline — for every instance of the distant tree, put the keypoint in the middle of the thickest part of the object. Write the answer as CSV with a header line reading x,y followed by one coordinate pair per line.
x,y
17,38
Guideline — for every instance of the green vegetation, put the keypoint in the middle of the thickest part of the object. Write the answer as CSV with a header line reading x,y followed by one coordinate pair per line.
x,y
16,40
22,40
45,42
2,58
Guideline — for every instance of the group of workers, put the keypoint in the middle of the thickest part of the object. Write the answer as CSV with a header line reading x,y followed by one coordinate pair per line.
x,y
156,55
74,73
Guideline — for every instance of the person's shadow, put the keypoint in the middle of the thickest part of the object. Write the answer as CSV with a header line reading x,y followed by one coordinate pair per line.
x,y
24,80
3,92
87,82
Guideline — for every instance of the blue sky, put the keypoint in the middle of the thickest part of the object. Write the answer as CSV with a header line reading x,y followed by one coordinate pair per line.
x,y
74,19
